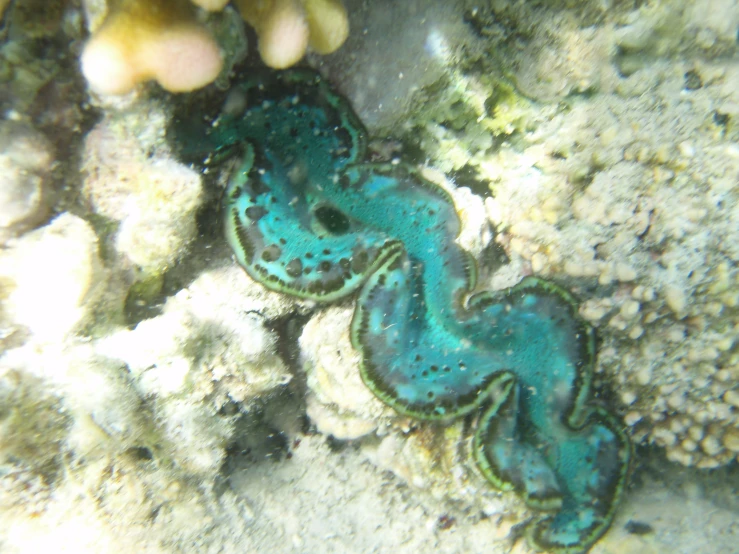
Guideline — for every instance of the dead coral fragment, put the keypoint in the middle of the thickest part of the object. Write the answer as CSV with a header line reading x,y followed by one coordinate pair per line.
x,y
142,40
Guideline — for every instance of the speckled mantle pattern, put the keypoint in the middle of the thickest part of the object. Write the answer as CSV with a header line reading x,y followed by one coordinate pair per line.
x,y
305,216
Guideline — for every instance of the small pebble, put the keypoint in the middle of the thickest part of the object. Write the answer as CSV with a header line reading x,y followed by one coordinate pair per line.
x,y
696,432
711,445
625,273
732,397
693,80
638,528
538,262
686,149
629,309
731,440
675,298
628,397
632,418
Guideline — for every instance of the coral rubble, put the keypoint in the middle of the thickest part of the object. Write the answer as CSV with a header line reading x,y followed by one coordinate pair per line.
x,y
152,198
25,163
51,278
624,190
604,143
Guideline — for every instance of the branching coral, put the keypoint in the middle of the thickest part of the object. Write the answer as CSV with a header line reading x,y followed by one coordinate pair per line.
x,y
141,40
287,27
162,40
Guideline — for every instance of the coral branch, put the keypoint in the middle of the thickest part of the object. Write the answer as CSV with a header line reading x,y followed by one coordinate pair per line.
x,y
161,40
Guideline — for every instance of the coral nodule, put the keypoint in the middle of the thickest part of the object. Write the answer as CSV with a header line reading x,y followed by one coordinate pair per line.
x,y
307,216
